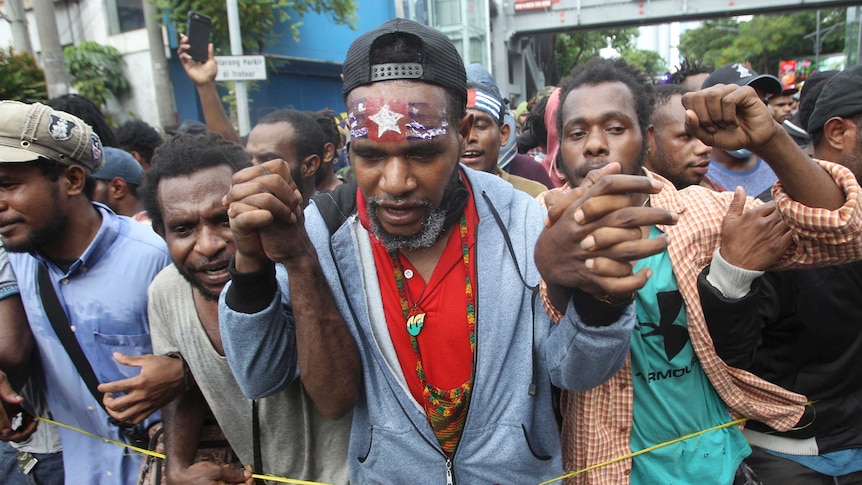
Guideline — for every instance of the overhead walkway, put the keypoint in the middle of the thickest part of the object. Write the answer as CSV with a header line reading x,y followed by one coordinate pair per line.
x,y
518,21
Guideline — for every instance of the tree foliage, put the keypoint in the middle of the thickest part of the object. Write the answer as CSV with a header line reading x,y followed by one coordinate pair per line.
x,y
578,47
21,79
705,43
764,40
257,18
96,71
650,62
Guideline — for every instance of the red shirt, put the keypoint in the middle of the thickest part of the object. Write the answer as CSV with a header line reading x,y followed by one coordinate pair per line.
x,y
444,340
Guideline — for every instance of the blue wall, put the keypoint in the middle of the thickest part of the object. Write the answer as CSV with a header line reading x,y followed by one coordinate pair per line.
x,y
302,75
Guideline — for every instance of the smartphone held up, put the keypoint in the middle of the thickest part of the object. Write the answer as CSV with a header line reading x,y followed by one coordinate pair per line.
x,y
198,32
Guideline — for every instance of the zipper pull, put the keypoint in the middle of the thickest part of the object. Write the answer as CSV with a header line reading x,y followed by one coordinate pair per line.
x,y
450,480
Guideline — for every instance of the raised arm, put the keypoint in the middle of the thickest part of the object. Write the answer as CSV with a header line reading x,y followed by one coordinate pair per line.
x,y
732,117
203,75
265,211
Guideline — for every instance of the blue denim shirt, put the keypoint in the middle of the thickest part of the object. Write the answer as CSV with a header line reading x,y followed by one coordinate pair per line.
x,y
8,283
104,294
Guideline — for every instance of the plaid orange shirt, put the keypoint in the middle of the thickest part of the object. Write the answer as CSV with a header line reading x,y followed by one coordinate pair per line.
x,y
597,424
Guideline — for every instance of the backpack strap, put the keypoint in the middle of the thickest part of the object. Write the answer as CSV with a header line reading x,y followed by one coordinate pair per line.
x,y
65,334
336,205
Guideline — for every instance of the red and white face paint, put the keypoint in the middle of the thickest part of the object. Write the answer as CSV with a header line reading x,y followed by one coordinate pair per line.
x,y
392,120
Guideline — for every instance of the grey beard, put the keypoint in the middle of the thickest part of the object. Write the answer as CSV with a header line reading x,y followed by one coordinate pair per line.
x,y
431,230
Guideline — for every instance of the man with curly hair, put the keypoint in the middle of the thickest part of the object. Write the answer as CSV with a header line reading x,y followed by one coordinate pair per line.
x,y
139,139
673,383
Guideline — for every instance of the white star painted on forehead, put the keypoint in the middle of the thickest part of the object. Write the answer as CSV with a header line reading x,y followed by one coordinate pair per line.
x,y
387,120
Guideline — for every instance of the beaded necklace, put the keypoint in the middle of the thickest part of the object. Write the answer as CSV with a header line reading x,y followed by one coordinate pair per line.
x,y
446,408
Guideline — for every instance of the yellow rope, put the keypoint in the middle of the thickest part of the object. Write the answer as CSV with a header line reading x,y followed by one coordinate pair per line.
x,y
558,479
161,456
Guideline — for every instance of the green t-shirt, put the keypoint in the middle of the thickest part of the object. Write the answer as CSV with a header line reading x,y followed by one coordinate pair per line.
x,y
672,395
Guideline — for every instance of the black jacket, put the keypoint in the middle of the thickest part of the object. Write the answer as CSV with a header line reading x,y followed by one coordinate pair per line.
x,y
802,330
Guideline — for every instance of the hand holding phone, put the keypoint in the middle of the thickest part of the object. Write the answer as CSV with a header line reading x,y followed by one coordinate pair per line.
x,y
198,28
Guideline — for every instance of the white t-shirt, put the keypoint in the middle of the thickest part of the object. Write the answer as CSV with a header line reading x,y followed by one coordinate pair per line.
x,y
297,442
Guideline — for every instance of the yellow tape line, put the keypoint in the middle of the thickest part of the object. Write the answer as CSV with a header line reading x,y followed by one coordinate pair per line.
x,y
645,450
161,456
558,479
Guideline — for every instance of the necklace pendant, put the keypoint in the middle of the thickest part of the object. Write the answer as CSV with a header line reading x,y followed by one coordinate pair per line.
x,y
415,322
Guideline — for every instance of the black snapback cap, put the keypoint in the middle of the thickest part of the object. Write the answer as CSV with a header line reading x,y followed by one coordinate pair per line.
x,y
808,96
426,55
841,96
742,75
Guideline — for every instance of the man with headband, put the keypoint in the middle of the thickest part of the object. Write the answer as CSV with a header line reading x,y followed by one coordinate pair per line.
x,y
481,149
430,268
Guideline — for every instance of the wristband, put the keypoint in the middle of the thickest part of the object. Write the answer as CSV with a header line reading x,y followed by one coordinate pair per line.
x,y
187,373
554,314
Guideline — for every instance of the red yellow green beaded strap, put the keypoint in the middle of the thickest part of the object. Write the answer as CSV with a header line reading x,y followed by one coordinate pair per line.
x,y
446,409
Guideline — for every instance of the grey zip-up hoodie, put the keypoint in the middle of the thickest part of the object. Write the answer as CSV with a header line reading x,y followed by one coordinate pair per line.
x,y
510,434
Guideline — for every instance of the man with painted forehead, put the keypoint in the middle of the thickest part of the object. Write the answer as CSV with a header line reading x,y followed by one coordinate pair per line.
x,y
431,269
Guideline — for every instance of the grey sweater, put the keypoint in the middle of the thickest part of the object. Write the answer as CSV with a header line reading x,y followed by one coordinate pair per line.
x,y
510,435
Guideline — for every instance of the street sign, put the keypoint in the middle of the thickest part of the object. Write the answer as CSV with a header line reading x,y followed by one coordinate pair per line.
x,y
241,68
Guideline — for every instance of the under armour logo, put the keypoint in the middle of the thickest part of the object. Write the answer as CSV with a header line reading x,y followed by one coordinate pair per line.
x,y
675,336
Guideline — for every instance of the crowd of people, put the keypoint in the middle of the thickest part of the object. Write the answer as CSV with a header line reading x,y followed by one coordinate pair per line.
x,y
617,283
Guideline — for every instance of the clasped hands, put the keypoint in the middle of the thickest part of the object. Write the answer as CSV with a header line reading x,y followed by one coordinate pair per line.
x,y
597,231
594,236
265,211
